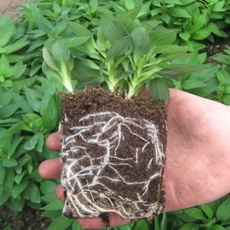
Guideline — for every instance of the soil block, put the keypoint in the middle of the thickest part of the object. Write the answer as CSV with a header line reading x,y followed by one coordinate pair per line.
x,y
113,155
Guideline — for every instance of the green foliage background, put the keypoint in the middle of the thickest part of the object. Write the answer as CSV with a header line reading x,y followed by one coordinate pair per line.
x,y
29,105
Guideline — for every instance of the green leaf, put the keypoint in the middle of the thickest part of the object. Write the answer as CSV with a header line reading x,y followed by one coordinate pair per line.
x,y
169,49
121,47
6,31
47,186
8,110
190,226
223,211
185,35
159,89
20,84
31,98
217,227
49,59
195,213
201,34
40,143
80,30
21,102
192,83
87,74
60,223
162,36
17,204
16,46
141,41
35,196
54,205
42,23
226,99
8,163
5,98
4,197
207,210
14,146
73,42
31,143
128,16
112,30
2,174
33,121
18,178
4,66
219,6
179,12
49,110
141,224
9,178
18,188
60,53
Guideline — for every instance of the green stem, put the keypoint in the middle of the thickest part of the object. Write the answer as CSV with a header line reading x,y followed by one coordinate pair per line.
x,y
66,78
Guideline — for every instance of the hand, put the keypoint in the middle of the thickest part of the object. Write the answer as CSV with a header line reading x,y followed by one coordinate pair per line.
x,y
198,160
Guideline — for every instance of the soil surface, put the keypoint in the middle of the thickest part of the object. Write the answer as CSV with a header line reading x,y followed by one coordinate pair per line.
x,y
9,6
113,154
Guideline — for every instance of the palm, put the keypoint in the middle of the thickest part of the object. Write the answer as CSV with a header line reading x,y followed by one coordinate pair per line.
x,y
198,163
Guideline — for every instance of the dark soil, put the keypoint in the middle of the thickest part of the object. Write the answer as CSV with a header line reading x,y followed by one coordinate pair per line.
x,y
121,182
29,219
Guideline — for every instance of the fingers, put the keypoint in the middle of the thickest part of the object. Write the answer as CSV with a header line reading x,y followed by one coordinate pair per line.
x,y
50,169
93,223
97,223
60,192
53,142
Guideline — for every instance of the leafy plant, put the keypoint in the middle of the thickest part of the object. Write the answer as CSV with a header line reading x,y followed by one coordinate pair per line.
x,y
126,56
214,215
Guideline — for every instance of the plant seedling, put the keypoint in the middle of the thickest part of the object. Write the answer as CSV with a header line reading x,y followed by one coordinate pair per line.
x,y
113,145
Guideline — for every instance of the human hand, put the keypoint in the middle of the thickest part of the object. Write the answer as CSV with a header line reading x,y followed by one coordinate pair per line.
x,y
197,156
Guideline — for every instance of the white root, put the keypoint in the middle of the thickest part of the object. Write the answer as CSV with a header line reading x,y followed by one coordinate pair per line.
x,y
83,171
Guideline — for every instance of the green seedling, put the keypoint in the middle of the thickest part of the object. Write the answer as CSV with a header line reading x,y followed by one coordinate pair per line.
x,y
125,56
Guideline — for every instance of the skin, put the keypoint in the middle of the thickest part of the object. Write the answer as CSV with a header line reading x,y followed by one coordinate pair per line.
x,y
197,166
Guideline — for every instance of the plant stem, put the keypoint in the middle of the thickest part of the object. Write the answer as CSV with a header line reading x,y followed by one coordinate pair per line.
x,y
66,78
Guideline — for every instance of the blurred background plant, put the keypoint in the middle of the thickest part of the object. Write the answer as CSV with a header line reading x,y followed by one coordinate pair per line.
x,y
29,105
